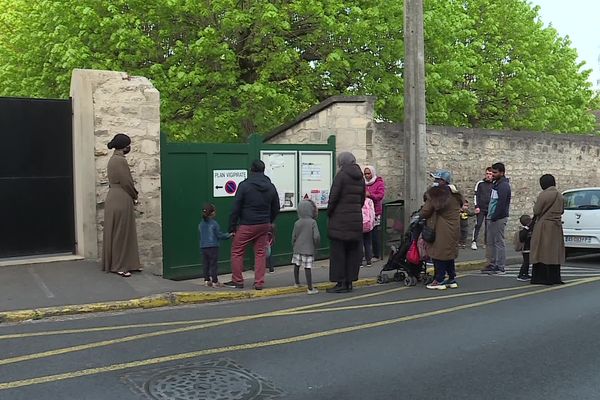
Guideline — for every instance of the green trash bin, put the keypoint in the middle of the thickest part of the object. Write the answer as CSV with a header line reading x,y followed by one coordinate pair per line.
x,y
392,224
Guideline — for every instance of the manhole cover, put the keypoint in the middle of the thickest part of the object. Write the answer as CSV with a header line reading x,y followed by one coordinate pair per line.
x,y
212,380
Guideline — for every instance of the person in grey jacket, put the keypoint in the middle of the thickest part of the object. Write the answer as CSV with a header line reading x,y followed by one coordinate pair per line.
x,y
305,239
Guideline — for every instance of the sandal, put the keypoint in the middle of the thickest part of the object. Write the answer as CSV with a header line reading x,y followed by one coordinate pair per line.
x,y
124,274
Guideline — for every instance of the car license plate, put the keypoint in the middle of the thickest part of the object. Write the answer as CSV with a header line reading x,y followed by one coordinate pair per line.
x,y
578,239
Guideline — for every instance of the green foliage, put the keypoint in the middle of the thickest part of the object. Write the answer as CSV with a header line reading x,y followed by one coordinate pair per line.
x,y
228,68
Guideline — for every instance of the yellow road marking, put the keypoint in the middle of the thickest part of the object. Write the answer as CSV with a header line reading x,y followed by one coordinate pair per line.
x,y
275,342
223,321
87,346
408,301
105,328
189,322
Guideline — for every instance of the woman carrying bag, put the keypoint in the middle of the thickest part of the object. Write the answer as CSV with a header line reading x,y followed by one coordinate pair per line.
x,y
441,210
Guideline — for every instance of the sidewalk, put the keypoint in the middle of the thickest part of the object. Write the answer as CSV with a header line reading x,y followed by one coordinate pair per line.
x,y
42,290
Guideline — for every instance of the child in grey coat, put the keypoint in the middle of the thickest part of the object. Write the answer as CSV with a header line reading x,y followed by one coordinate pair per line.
x,y
305,239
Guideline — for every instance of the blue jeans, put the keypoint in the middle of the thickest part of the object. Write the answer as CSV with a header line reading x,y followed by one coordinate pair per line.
x,y
443,267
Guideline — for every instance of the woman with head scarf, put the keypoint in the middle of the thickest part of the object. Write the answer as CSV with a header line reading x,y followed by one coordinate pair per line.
x,y
547,243
375,190
344,210
120,254
441,210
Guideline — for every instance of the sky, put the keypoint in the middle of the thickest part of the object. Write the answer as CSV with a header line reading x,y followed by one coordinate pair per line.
x,y
580,20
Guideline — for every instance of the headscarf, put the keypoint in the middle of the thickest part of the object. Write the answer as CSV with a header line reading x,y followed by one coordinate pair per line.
x,y
373,174
345,158
120,141
546,181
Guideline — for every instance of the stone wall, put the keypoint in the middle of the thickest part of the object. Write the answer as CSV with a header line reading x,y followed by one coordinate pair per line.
x,y
107,103
348,118
572,159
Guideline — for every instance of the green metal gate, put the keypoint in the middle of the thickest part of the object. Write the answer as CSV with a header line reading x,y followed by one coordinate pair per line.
x,y
187,183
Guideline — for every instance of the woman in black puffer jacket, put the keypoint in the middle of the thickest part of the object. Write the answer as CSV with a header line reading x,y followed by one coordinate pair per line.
x,y
344,210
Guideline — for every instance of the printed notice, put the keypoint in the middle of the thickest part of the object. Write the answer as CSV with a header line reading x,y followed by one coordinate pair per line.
x,y
226,181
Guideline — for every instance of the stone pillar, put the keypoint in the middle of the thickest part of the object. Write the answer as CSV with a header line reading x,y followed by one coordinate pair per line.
x,y
106,103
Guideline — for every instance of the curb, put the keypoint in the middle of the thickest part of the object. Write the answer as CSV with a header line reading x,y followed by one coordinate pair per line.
x,y
180,298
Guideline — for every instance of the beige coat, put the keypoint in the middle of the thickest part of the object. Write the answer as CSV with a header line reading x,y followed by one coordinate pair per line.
x,y
120,252
441,209
547,243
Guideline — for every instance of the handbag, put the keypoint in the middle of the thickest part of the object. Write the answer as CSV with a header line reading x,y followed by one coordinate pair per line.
x,y
428,233
412,255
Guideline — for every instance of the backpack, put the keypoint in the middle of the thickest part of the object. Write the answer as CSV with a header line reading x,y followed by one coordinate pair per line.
x,y
368,215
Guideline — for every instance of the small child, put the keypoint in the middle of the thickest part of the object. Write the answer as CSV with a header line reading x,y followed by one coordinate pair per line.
x,y
464,223
305,239
210,234
524,240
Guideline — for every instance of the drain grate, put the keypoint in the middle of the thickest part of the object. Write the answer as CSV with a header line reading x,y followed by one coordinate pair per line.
x,y
211,380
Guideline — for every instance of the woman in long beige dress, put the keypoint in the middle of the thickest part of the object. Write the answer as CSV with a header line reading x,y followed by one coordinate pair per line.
x,y
547,243
120,255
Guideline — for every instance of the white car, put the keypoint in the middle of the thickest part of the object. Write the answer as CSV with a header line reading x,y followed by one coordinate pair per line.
x,y
581,220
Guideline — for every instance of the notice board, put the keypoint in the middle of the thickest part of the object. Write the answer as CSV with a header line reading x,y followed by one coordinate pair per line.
x,y
316,175
282,168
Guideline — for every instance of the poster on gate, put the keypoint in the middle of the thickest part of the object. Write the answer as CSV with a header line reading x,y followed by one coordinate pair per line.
x,y
226,181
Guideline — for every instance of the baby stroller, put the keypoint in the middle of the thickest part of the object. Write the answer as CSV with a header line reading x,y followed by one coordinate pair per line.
x,y
405,271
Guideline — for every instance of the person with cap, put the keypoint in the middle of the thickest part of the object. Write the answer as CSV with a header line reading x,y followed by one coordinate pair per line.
x,y
345,228
497,219
547,243
120,254
375,187
255,207
441,212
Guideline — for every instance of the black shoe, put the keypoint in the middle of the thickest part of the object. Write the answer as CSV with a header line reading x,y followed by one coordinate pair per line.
x,y
349,286
256,287
524,278
335,289
234,285
488,269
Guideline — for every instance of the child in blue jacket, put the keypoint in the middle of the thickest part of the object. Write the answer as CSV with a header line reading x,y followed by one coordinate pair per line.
x,y
210,234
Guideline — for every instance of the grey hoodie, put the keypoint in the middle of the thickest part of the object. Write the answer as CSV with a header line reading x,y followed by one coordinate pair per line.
x,y
306,237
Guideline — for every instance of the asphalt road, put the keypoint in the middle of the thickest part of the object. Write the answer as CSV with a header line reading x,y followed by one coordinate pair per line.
x,y
492,338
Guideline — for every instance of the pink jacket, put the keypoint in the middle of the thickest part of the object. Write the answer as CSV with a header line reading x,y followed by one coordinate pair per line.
x,y
377,192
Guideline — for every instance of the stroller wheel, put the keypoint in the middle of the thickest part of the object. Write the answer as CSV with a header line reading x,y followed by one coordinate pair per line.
x,y
407,281
399,276
413,281
383,278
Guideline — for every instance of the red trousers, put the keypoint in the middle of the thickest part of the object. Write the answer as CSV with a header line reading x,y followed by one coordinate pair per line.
x,y
245,235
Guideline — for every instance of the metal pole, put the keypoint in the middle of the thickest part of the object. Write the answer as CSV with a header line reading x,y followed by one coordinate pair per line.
x,y
415,149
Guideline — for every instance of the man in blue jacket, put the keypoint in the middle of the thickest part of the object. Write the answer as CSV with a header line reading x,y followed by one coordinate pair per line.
x,y
497,219
254,210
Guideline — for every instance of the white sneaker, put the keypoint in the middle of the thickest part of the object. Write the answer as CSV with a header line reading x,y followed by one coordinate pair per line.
x,y
474,245
312,291
436,285
297,285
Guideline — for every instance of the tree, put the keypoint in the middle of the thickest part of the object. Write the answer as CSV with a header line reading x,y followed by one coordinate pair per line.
x,y
227,68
